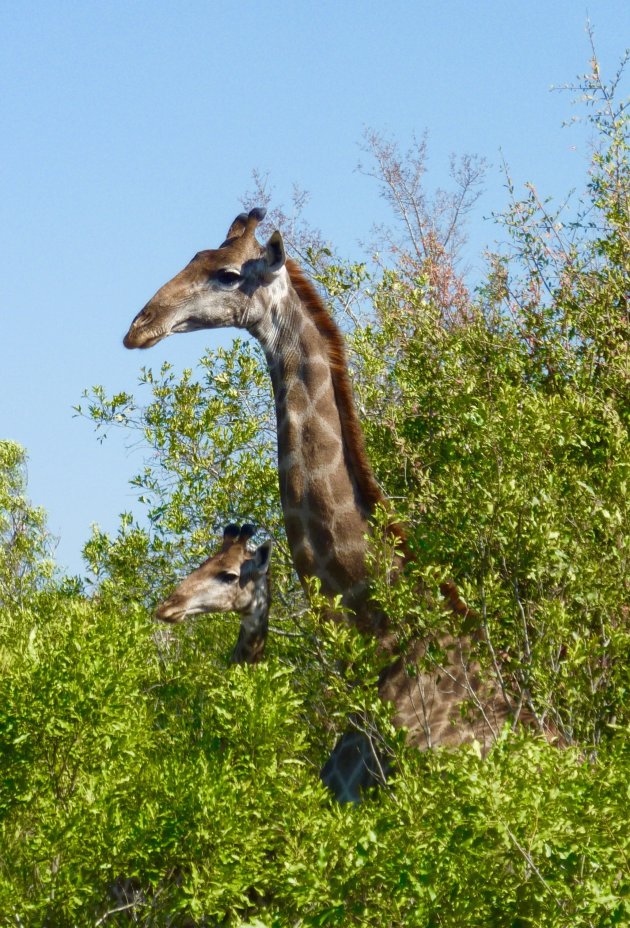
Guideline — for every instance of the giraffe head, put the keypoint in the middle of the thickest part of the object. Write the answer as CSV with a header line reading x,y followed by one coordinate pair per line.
x,y
218,288
232,580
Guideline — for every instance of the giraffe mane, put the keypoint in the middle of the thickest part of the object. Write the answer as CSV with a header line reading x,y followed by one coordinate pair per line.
x,y
354,443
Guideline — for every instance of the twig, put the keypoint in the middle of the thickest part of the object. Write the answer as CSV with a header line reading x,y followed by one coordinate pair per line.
x,y
121,908
527,857
284,634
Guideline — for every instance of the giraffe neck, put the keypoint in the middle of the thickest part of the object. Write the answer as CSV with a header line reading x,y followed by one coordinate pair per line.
x,y
327,488
254,629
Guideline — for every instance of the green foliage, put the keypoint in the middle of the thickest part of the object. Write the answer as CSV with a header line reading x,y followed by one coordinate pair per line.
x,y
522,487
145,781
24,543
132,765
506,437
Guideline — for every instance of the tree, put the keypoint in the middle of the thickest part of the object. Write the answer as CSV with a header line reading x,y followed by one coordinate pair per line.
x,y
24,542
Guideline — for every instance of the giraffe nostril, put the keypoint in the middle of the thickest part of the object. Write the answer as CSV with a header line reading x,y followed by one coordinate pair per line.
x,y
144,318
137,337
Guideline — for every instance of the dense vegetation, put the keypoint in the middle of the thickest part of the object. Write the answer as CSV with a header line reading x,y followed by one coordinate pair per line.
x,y
145,781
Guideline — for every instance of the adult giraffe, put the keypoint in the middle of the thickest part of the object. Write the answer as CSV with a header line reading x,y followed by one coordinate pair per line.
x,y
327,488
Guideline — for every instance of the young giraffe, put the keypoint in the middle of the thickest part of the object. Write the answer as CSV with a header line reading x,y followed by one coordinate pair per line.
x,y
327,488
232,580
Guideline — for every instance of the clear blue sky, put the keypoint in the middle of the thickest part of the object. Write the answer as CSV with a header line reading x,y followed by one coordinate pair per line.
x,y
129,134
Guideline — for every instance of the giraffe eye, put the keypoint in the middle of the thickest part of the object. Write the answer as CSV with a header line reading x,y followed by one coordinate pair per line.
x,y
227,279
227,577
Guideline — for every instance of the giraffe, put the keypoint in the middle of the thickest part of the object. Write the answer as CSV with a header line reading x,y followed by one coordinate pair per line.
x,y
328,490
232,580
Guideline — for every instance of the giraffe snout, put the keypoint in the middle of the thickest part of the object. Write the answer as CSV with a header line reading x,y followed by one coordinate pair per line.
x,y
170,611
145,330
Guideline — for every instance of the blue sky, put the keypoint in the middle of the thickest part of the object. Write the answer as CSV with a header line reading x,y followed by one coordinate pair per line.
x,y
129,134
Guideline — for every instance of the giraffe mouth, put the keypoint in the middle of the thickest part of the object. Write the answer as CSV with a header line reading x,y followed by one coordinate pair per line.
x,y
171,614
137,337
140,339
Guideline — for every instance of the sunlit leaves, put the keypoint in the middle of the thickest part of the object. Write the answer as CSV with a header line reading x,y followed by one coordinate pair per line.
x,y
24,542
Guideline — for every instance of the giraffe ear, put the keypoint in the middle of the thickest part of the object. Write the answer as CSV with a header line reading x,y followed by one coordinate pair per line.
x,y
262,557
258,563
275,255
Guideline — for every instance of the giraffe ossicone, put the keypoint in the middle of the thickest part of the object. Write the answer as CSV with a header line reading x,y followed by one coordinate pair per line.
x,y
234,579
